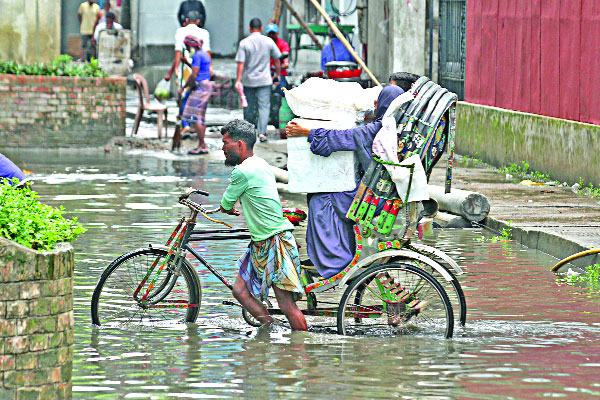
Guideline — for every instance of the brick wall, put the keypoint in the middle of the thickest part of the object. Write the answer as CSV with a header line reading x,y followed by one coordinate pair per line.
x,y
36,322
60,111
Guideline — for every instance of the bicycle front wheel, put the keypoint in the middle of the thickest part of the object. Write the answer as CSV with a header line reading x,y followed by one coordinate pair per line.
x,y
394,299
174,297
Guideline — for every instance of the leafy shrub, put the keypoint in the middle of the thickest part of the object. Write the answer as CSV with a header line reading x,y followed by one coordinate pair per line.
x,y
61,66
23,219
591,277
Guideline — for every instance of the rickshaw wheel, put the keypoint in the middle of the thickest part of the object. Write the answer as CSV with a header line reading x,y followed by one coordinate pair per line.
x,y
393,299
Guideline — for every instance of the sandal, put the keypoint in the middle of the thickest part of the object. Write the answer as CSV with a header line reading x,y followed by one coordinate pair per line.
x,y
198,151
262,138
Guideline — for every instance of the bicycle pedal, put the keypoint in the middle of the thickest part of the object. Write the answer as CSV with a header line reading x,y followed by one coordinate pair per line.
x,y
231,303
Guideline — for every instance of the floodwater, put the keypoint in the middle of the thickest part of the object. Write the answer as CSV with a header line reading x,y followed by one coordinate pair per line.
x,y
527,336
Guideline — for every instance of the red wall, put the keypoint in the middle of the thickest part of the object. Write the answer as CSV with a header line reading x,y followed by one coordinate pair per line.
x,y
537,56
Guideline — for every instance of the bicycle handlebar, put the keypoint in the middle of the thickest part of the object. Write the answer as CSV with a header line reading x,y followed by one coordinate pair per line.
x,y
190,191
183,199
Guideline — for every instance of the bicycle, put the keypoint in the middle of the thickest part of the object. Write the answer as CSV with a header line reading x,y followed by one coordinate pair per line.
x,y
158,284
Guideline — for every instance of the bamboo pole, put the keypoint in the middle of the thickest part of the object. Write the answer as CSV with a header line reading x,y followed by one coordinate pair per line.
x,y
339,35
276,11
279,12
303,24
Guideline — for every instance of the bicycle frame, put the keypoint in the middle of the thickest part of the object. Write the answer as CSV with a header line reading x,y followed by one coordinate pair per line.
x,y
181,237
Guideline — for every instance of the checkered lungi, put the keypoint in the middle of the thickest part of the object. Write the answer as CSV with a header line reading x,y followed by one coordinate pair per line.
x,y
195,107
273,261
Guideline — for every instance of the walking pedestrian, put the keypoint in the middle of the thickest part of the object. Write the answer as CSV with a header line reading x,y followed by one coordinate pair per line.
x,y
191,5
253,72
87,16
190,28
200,89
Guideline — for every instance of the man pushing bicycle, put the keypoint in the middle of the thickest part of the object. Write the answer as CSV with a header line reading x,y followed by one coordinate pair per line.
x,y
271,259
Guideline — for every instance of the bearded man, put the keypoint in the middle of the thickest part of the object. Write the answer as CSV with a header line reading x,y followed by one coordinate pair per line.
x,y
271,259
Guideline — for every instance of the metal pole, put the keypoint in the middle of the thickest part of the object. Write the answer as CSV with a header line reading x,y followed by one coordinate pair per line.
x,y
431,39
241,20
302,24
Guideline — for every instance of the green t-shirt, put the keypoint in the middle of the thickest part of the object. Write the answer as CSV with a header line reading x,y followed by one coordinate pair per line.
x,y
253,184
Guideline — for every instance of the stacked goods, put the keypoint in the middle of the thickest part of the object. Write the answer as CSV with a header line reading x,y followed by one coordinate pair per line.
x,y
324,103
310,173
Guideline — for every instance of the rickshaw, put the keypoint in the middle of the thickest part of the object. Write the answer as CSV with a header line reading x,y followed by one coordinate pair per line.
x,y
392,286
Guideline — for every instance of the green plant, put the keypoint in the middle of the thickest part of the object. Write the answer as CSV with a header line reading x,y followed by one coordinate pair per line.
x,y
505,235
523,170
591,277
23,219
473,160
62,65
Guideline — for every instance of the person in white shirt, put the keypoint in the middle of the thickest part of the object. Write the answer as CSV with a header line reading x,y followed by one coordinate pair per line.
x,y
109,23
190,28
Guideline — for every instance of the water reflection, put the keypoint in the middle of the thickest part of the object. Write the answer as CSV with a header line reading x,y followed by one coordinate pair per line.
x,y
525,337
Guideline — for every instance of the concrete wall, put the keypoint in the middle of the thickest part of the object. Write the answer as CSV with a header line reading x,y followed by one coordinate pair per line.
x,y
567,150
407,36
30,30
60,111
36,322
397,37
378,39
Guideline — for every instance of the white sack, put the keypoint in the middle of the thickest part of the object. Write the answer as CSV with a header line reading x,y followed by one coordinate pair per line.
x,y
310,173
326,99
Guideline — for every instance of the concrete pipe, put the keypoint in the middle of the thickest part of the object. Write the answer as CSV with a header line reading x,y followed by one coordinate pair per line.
x,y
470,205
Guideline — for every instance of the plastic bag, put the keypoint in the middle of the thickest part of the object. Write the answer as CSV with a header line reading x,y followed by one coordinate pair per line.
x,y
162,91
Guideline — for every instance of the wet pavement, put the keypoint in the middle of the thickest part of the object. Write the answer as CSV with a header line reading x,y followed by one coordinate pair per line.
x,y
549,218
527,335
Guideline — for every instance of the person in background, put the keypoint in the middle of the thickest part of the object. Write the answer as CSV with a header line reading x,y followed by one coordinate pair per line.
x,y
334,51
200,89
87,15
106,8
271,260
253,71
272,31
191,5
109,23
190,28
403,79
9,170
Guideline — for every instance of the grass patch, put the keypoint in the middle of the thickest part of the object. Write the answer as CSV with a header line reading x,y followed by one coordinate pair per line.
x,y
505,235
524,171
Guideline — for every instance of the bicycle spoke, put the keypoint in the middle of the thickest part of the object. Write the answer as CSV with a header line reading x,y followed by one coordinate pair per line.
x,y
173,298
392,299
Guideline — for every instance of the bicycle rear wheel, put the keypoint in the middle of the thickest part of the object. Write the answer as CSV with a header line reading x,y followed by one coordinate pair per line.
x,y
453,288
394,299
175,297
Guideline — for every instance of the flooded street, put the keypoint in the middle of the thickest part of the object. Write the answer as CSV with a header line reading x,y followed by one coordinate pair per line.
x,y
526,336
